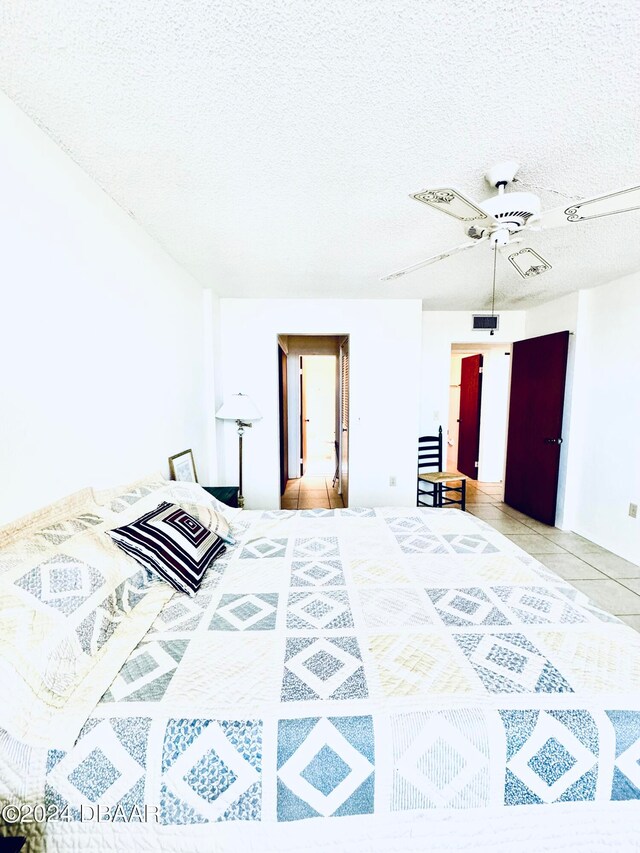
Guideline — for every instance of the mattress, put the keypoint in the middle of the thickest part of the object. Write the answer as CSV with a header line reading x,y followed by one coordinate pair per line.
x,y
366,680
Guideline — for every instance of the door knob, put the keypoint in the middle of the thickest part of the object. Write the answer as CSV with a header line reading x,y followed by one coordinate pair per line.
x,y
553,441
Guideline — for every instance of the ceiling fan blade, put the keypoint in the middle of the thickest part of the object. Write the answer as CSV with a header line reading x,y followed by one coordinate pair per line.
x,y
592,208
528,263
435,258
454,203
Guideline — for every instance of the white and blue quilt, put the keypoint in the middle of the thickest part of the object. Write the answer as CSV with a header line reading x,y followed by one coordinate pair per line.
x,y
365,675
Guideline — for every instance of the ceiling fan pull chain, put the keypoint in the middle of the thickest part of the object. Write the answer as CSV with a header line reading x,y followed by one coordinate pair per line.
x,y
493,291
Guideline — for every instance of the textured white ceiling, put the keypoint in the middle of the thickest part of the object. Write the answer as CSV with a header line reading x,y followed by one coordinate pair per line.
x,y
270,146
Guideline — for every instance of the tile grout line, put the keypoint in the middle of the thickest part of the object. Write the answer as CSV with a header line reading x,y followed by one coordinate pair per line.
x,y
581,557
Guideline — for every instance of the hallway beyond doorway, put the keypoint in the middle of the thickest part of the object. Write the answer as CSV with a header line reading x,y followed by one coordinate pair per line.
x,y
311,492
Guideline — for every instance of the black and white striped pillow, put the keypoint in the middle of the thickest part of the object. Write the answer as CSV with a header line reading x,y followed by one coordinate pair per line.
x,y
171,543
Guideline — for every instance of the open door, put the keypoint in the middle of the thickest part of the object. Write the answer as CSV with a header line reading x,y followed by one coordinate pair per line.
x,y
304,420
343,438
283,413
469,423
538,373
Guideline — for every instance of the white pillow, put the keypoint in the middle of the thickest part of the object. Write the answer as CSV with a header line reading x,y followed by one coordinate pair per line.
x,y
180,492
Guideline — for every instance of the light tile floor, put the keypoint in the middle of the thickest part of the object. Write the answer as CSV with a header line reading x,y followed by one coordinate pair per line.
x,y
611,581
311,492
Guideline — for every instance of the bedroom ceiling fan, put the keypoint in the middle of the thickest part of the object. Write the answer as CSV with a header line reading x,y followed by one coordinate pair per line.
x,y
503,219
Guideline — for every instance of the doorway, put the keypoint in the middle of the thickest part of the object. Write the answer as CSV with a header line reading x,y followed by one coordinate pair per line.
x,y
318,414
314,421
478,409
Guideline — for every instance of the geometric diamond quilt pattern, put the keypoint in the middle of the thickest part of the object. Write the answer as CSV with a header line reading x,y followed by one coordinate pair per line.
x,y
124,501
440,760
551,756
321,609
106,765
510,663
407,524
323,668
469,543
148,672
315,548
593,661
317,573
419,665
263,548
538,604
250,612
626,772
413,535
182,613
389,660
94,631
55,534
420,542
211,770
325,767
62,582
470,606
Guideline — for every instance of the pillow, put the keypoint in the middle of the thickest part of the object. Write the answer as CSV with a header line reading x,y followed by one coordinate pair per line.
x,y
71,615
120,498
179,492
54,523
215,521
171,543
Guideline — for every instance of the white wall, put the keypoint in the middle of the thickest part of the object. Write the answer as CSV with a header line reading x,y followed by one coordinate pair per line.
x,y
441,329
494,409
384,343
603,472
101,341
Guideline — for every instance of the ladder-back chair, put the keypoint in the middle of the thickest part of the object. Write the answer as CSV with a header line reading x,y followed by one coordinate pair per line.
x,y
433,489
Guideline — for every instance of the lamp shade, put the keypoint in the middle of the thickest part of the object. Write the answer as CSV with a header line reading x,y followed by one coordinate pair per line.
x,y
239,407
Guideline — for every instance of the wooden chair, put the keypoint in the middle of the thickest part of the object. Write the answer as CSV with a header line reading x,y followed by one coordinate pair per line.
x,y
432,484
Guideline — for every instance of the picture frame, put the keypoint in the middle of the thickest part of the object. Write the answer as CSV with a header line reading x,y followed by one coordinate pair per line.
x,y
183,468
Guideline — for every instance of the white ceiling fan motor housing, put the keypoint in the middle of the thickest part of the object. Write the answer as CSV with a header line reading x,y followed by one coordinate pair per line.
x,y
511,210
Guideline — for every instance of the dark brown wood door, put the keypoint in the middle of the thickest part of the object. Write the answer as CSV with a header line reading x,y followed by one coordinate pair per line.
x,y
538,372
469,432
284,419
304,420
344,421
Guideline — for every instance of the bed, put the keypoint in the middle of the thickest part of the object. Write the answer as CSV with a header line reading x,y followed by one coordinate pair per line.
x,y
389,679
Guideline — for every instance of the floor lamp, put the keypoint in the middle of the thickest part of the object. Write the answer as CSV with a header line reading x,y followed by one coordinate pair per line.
x,y
243,411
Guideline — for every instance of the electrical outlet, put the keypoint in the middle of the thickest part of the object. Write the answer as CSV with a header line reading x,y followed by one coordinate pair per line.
x,y
633,510
392,480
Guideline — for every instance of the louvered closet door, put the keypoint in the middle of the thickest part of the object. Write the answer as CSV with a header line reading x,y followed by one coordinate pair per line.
x,y
344,421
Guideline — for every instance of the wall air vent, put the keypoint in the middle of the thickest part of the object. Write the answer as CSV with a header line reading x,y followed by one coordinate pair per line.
x,y
486,322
